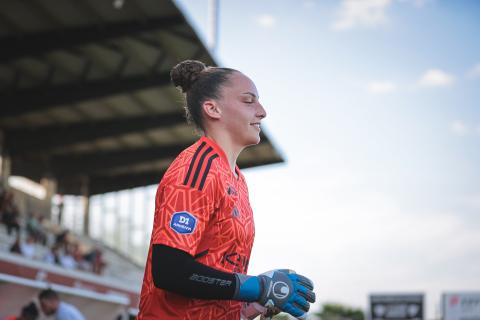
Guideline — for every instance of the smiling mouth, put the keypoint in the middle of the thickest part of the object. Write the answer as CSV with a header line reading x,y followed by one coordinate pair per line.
x,y
256,125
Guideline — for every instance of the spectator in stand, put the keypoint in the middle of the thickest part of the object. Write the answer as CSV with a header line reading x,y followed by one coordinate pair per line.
x,y
29,312
62,238
9,213
35,227
29,248
15,247
79,256
95,258
3,193
53,256
66,259
52,305
65,252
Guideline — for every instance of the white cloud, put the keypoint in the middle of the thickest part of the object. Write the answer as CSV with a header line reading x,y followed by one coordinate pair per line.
x,y
381,87
348,234
436,78
368,13
474,72
266,20
459,128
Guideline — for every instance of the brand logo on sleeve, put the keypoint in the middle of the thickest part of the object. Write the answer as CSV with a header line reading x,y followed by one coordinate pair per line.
x,y
183,222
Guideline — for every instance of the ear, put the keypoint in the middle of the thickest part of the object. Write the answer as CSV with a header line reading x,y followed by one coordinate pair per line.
x,y
211,109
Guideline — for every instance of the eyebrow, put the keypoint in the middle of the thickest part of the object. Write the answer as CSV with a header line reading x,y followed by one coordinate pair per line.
x,y
252,94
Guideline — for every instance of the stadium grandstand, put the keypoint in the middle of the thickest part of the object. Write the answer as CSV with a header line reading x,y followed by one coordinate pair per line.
x,y
88,125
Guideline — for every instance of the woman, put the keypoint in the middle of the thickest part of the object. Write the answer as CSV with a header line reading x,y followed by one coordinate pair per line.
x,y
203,227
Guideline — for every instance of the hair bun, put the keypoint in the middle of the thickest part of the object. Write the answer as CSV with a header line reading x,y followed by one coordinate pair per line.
x,y
185,73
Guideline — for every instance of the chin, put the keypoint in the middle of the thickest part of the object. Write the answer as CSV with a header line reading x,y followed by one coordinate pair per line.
x,y
253,141
250,139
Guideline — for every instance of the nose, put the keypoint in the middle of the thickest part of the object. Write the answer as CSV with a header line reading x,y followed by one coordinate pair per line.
x,y
261,113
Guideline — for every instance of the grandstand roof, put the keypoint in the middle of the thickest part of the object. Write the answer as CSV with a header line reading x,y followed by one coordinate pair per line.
x,y
85,95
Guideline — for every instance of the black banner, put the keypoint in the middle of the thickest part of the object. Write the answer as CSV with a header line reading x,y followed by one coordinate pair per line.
x,y
396,306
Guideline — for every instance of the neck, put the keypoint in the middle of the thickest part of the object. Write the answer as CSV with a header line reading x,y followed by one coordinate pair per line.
x,y
232,151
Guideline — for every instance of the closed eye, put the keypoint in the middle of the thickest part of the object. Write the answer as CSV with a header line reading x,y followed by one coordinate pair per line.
x,y
251,97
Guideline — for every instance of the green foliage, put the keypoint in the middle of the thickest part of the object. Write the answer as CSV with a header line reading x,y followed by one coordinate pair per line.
x,y
281,316
333,311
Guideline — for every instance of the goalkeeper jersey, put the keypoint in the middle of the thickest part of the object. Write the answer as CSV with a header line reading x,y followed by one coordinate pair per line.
x,y
202,208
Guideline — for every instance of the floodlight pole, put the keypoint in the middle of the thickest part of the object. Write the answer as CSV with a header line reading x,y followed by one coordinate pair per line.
x,y
213,6
86,205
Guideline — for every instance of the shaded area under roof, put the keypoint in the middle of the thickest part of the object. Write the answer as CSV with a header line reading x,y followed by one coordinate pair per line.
x,y
85,94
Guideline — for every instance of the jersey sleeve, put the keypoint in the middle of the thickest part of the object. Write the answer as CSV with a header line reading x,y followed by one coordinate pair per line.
x,y
182,214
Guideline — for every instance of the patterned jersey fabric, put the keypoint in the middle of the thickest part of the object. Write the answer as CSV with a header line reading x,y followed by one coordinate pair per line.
x,y
203,209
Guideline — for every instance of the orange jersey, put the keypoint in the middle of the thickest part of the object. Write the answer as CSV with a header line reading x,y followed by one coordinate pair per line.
x,y
203,209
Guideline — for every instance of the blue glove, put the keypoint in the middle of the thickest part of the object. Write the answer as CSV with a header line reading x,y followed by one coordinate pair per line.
x,y
283,289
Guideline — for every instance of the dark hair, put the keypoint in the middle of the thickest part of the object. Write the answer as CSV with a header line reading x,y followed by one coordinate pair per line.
x,y
29,312
48,294
199,83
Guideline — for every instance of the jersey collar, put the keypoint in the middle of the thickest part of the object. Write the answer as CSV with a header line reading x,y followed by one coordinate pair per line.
x,y
221,153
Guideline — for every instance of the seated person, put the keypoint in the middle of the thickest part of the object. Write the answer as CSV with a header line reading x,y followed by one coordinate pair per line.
x,y
52,305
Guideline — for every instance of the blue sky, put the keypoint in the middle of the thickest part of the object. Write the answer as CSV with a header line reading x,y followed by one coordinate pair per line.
x,y
375,104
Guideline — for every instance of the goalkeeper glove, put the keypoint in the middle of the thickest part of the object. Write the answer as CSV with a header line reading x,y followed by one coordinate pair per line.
x,y
283,289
